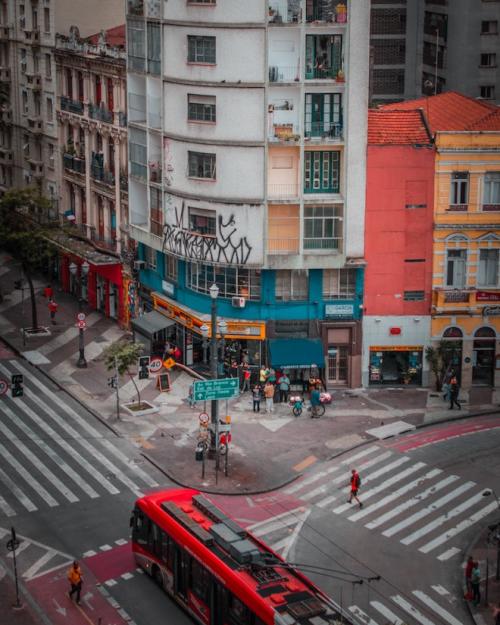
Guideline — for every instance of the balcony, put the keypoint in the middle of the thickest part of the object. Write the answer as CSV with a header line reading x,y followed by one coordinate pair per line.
x,y
124,182
136,7
324,131
284,73
284,133
324,73
5,33
330,244
283,245
101,113
491,207
32,37
4,74
36,167
122,120
72,106
284,12
103,242
35,125
282,191
321,11
73,163
34,81
102,174
6,115
6,156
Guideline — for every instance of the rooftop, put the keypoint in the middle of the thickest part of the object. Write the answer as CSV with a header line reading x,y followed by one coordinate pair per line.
x,y
397,127
452,111
114,37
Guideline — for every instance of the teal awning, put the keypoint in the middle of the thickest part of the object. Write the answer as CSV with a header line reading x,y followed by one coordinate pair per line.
x,y
296,353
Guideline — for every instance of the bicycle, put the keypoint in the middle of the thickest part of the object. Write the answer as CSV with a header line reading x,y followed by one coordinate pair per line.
x,y
297,404
317,411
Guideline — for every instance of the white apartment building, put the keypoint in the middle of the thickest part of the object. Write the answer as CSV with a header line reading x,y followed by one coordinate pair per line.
x,y
247,154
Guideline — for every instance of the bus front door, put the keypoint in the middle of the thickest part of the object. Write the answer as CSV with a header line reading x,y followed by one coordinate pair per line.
x,y
181,577
216,600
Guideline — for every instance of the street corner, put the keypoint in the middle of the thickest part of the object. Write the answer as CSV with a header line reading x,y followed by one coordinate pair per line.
x,y
5,352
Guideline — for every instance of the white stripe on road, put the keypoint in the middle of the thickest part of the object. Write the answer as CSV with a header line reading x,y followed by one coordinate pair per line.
x,y
387,483
293,536
277,522
68,335
327,501
441,590
444,614
95,434
5,508
463,525
403,490
413,501
407,607
17,492
386,613
444,518
439,503
28,477
34,568
362,615
34,438
449,553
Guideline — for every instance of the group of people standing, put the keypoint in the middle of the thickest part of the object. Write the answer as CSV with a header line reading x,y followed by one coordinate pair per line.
x,y
269,384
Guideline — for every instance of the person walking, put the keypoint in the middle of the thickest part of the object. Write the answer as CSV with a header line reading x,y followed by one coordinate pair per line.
x,y
52,309
256,397
355,484
246,378
284,386
75,578
48,292
475,583
454,390
269,395
468,575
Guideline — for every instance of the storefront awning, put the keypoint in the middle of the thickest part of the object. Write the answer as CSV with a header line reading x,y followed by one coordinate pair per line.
x,y
296,353
151,323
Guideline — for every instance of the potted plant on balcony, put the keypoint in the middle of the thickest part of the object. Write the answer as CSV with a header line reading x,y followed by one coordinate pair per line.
x,y
340,76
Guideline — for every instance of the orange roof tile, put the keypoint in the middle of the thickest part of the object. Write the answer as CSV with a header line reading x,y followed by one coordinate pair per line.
x,y
397,128
448,111
115,37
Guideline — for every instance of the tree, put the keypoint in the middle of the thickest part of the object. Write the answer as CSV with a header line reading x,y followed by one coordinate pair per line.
x,y
22,211
435,356
122,355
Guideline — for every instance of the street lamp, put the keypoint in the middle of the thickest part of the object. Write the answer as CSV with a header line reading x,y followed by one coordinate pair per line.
x,y
204,333
222,332
81,279
214,293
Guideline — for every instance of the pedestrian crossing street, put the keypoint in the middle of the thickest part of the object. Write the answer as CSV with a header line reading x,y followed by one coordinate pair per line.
x,y
51,455
403,500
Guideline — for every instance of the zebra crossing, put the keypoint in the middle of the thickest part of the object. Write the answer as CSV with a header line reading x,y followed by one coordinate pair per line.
x,y
403,500
52,455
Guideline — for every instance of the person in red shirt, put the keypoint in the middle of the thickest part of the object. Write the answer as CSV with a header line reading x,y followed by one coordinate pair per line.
x,y
52,309
48,292
177,354
355,484
468,575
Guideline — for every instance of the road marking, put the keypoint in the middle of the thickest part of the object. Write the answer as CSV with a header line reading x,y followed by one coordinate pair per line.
x,y
276,522
30,573
293,536
439,503
89,554
126,576
407,607
387,484
441,590
386,613
68,335
362,615
446,555
23,545
32,436
105,547
403,490
463,525
326,501
444,614
121,541
110,582
5,508
307,462
17,492
444,518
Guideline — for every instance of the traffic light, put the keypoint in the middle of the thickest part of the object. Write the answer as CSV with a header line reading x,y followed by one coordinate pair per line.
x,y
144,367
17,385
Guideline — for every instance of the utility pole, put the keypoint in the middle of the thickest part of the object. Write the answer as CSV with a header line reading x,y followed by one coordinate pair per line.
x,y
117,386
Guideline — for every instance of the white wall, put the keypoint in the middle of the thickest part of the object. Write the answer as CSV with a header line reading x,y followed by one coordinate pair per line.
x,y
284,53
240,113
240,54
225,11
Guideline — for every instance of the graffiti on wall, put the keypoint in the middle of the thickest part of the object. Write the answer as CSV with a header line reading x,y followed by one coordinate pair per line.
x,y
226,247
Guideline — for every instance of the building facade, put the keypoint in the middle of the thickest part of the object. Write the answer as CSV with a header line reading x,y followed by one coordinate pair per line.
x,y
247,149
424,47
91,115
398,249
466,247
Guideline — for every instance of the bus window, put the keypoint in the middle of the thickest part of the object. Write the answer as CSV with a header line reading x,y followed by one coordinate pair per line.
x,y
199,580
154,542
140,528
236,612
167,550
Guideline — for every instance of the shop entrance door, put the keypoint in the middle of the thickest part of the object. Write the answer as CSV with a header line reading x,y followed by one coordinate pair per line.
x,y
483,357
337,364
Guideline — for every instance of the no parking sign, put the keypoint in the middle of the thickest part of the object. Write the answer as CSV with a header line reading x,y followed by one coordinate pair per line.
x,y
4,386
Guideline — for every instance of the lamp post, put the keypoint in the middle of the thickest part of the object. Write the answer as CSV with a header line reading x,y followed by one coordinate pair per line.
x,y
214,439
222,332
81,279
204,333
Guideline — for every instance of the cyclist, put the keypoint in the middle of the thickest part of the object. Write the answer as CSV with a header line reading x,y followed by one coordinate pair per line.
x,y
315,402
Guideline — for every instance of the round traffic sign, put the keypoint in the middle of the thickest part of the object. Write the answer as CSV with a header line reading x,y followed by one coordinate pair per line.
x,y
4,385
82,325
81,316
204,418
155,365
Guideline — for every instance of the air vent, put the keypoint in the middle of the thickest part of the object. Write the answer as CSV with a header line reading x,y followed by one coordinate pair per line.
x,y
187,522
244,551
223,535
215,514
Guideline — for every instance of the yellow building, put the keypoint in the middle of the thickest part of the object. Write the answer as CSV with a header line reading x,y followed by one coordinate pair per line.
x,y
465,287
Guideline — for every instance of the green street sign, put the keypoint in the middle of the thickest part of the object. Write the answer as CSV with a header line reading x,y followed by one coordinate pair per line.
x,y
224,388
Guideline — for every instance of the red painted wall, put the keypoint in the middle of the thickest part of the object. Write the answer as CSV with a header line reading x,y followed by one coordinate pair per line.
x,y
397,177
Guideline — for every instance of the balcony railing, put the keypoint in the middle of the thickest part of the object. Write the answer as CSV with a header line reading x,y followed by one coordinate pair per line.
x,y
278,16
102,241
279,191
72,106
324,130
101,113
332,243
283,246
317,73
122,119
6,156
491,207
34,81
35,124
124,182
333,11
284,133
284,73
101,174
74,163
32,36
456,296
4,32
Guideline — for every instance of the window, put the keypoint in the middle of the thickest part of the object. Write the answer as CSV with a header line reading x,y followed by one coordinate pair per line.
x,y
414,296
48,66
200,580
321,172
51,151
491,197
203,222
25,102
154,48
201,49
291,285
156,214
339,283
201,165
236,612
201,1
487,92
201,108
456,268
489,27
488,59
323,115
46,20
150,258
459,196
137,152
488,268
232,281
136,45
322,227
50,111
170,267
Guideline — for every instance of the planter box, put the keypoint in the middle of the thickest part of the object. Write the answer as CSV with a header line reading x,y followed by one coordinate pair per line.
x,y
146,408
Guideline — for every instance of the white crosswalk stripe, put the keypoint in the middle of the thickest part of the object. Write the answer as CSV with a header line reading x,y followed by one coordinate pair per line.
x,y
412,610
386,613
362,615
429,602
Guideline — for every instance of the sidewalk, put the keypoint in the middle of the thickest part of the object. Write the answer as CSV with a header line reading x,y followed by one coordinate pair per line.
x,y
486,555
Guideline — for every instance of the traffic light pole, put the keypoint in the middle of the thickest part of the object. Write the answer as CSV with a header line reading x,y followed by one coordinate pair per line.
x,y
214,439
117,390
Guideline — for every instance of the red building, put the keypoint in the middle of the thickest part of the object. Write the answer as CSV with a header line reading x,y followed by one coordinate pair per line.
x,y
398,248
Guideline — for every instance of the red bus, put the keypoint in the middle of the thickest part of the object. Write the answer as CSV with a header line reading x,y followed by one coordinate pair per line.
x,y
217,571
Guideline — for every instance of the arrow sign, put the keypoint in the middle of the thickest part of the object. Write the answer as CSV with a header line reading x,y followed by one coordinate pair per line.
x,y
59,608
216,389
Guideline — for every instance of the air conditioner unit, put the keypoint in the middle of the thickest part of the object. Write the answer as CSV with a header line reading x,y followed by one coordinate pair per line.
x,y
139,264
238,302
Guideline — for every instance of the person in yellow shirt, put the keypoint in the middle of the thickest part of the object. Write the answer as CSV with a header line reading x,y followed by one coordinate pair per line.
x,y
76,580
